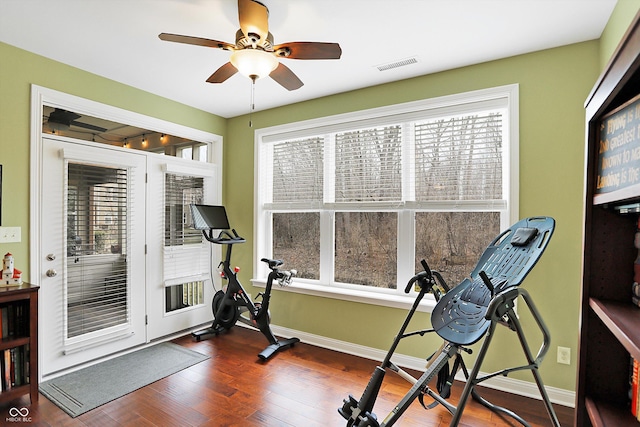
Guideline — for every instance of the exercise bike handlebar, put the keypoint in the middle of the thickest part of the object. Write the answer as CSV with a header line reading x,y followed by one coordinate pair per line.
x,y
285,276
224,237
282,276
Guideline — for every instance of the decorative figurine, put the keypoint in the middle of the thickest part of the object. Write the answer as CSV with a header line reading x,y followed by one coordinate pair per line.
x,y
11,276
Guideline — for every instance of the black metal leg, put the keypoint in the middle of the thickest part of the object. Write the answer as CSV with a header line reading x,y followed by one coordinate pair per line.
x,y
439,360
468,388
277,346
538,359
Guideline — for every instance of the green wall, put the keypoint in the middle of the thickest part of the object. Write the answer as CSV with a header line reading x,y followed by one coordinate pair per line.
x,y
553,86
617,25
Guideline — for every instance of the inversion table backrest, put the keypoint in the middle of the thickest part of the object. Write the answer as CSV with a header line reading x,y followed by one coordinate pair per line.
x,y
459,316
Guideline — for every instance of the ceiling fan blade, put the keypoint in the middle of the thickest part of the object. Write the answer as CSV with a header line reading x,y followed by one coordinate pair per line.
x,y
222,73
254,20
286,78
198,41
88,126
59,115
308,50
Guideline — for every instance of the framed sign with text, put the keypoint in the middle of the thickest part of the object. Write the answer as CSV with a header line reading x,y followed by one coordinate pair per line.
x,y
619,153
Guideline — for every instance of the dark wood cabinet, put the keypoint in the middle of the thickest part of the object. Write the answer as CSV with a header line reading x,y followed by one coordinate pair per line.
x,y
610,322
19,344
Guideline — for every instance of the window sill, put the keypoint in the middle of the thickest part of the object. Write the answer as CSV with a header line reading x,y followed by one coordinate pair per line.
x,y
344,294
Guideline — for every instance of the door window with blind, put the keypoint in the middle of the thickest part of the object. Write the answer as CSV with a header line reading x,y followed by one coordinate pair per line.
x,y
182,242
181,289
355,202
97,229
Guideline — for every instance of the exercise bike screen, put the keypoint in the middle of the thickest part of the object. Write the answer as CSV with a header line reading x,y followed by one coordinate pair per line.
x,y
207,217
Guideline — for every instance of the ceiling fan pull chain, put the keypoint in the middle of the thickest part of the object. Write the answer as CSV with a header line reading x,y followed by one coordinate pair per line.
x,y
253,105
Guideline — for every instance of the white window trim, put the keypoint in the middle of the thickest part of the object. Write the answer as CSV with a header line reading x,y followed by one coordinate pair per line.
x,y
457,103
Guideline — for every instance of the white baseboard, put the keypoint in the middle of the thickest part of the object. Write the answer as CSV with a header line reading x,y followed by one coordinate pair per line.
x,y
510,385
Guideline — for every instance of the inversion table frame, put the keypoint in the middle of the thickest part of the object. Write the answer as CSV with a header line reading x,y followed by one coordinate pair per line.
x,y
462,316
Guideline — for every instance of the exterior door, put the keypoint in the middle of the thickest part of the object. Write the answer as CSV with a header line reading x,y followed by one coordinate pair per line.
x,y
93,207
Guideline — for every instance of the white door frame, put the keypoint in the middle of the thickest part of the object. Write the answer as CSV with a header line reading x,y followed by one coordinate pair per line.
x,y
41,96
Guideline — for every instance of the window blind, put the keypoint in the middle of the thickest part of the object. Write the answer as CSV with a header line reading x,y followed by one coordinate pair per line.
x,y
368,165
97,230
459,158
298,170
184,250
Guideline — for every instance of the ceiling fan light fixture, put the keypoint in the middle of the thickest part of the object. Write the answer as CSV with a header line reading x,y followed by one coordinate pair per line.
x,y
254,63
55,126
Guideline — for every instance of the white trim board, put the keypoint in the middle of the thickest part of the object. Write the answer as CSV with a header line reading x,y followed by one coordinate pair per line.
x,y
506,384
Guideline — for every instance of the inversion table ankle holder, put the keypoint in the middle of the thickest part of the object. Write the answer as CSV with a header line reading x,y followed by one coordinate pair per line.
x,y
463,316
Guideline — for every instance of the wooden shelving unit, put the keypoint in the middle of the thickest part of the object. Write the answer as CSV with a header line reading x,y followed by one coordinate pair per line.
x,y
609,323
25,336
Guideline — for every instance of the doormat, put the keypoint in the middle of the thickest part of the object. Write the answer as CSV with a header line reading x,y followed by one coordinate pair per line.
x,y
86,389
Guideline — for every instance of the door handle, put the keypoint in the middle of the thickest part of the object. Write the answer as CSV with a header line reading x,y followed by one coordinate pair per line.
x,y
51,273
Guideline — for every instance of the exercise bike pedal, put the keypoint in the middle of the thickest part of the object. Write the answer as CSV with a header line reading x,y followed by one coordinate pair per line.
x,y
347,408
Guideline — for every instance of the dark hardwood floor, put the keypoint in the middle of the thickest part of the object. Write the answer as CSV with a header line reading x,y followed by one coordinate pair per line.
x,y
302,387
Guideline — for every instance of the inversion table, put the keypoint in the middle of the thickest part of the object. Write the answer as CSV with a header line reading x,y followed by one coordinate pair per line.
x,y
463,316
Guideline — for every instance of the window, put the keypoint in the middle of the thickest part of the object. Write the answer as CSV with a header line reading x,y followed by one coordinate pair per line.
x,y
355,202
184,254
184,295
180,192
195,151
97,276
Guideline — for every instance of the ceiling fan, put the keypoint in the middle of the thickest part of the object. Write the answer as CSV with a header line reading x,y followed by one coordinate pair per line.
x,y
60,119
254,53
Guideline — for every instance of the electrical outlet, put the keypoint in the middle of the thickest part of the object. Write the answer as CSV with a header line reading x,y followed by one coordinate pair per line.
x,y
10,235
564,355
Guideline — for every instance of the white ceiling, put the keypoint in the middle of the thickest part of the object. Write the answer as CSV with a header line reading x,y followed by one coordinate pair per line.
x,y
118,39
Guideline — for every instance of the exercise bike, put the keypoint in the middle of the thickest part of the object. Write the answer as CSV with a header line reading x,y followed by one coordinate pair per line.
x,y
234,303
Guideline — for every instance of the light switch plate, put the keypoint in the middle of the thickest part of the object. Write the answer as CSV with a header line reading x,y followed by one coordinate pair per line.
x,y
10,234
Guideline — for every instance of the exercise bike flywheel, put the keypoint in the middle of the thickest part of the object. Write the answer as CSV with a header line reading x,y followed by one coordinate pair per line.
x,y
226,316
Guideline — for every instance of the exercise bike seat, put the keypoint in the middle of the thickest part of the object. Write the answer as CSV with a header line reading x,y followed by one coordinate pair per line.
x,y
460,316
272,263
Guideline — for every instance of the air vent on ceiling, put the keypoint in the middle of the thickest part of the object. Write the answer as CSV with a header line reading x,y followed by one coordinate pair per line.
x,y
397,64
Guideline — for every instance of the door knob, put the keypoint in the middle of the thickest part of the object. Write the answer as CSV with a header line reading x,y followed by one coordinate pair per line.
x,y
51,273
